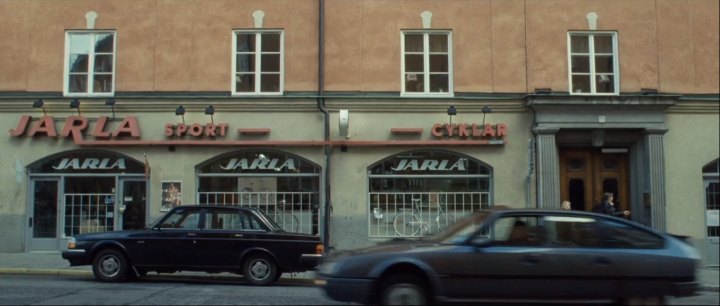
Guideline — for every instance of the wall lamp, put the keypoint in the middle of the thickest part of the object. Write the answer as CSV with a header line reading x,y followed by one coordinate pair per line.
x,y
75,103
111,102
210,110
39,103
451,111
486,109
180,111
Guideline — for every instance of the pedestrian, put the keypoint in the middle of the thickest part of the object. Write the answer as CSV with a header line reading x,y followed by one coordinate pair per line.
x,y
565,205
607,206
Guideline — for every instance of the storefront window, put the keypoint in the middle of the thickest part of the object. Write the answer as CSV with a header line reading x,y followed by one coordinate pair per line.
x,y
416,193
283,185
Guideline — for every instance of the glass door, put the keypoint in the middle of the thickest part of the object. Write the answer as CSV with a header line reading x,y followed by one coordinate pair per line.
x,y
43,215
133,204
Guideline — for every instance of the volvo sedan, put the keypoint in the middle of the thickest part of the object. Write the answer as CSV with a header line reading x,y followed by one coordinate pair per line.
x,y
199,238
518,255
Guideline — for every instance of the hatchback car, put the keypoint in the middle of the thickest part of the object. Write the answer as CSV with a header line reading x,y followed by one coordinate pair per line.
x,y
199,238
523,254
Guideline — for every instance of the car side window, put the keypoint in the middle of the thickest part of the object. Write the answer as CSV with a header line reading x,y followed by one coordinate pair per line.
x,y
185,219
516,231
219,220
572,231
244,221
622,235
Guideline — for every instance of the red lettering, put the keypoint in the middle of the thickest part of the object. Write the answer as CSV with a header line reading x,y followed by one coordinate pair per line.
x,y
462,130
475,131
46,125
436,130
180,129
22,125
169,129
99,131
449,128
501,129
223,128
75,129
488,131
130,126
210,130
196,130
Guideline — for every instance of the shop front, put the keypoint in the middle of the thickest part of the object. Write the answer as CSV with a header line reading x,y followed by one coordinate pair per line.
x,y
83,191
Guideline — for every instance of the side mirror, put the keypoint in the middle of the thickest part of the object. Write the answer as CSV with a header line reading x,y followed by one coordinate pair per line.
x,y
481,241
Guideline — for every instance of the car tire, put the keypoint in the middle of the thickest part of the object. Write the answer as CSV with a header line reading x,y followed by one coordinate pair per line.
x,y
110,266
403,290
260,270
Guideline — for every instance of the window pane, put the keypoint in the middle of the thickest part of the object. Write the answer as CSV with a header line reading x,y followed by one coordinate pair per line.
x,y
414,82
270,83
245,42
79,43
581,83
102,83
604,64
414,63
605,83
580,64
603,44
579,44
78,63
438,63
438,43
439,83
271,42
413,42
78,83
245,83
104,43
245,63
270,63
103,63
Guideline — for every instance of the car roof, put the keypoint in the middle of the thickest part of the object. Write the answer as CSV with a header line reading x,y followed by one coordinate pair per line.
x,y
205,206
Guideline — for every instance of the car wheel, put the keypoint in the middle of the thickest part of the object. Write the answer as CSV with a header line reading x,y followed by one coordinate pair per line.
x,y
260,270
403,290
110,266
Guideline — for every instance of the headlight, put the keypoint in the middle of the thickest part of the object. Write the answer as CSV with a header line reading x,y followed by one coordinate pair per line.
x,y
71,243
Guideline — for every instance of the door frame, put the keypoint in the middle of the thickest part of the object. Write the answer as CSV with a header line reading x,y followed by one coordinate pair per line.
x,y
592,172
120,199
44,244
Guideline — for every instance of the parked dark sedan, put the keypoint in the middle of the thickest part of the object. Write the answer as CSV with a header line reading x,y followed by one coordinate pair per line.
x,y
524,254
199,238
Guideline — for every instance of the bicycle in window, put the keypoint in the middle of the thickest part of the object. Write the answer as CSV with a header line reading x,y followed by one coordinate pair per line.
x,y
264,200
410,223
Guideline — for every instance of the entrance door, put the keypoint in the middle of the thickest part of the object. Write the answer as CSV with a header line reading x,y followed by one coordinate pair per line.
x,y
43,215
585,174
133,207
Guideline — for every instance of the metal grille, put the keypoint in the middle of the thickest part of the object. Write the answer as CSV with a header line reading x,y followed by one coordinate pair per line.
x,y
418,214
294,211
88,213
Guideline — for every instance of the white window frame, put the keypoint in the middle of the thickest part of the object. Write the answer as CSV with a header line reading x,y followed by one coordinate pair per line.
x,y
91,63
426,64
591,54
258,61
709,178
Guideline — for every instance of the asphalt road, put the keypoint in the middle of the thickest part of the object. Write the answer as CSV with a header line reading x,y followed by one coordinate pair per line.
x,y
173,290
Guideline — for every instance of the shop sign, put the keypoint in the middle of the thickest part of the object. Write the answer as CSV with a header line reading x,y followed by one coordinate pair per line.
x,y
196,129
75,126
258,164
469,130
429,165
90,164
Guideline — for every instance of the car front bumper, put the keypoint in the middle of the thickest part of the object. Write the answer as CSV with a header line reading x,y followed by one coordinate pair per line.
x,y
310,261
681,289
76,257
347,289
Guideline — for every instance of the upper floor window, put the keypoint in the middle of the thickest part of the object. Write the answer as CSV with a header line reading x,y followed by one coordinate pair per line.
x,y
593,63
427,63
89,63
258,65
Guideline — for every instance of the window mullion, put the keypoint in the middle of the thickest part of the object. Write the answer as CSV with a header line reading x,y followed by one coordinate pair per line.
x,y
258,54
426,62
91,65
591,59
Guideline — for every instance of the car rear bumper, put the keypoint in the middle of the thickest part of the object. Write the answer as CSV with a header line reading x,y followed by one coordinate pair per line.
x,y
310,261
76,257
347,289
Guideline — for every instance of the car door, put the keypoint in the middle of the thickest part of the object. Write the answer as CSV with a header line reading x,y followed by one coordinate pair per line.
x,y
578,262
172,242
226,234
510,265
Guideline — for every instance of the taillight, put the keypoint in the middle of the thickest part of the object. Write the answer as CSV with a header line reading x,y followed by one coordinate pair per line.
x,y
319,249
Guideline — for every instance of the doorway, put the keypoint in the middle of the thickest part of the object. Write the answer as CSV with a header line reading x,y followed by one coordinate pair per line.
x,y
133,208
585,174
43,215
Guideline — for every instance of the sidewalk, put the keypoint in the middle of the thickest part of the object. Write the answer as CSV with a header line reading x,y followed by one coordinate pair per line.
x,y
50,263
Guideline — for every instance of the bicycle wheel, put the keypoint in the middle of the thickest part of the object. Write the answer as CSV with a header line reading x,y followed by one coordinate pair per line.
x,y
406,224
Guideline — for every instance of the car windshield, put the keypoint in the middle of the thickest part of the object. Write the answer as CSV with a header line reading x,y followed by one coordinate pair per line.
x,y
461,230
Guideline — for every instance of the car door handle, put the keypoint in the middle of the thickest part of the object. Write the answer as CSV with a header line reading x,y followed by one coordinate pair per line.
x,y
238,235
191,234
531,259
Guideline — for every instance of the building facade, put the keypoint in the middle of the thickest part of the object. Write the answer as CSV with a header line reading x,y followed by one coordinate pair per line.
x,y
359,121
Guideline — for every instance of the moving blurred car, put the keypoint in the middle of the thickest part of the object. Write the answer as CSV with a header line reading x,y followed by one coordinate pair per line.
x,y
199,238
518,254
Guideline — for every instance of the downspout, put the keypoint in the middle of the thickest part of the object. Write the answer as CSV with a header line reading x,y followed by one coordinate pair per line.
x,y
326,124
531,158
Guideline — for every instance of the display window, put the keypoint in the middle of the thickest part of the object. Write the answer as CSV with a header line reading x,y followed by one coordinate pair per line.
x,y
417,193
283,185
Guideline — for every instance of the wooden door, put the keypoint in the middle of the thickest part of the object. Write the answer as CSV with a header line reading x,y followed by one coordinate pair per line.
x,y
585,174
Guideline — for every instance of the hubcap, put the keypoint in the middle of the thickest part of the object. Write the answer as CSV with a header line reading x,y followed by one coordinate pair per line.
x,y
259,269
405,294
110,266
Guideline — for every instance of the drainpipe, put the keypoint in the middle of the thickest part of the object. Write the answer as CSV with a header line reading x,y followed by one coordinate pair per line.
x,y
326,124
